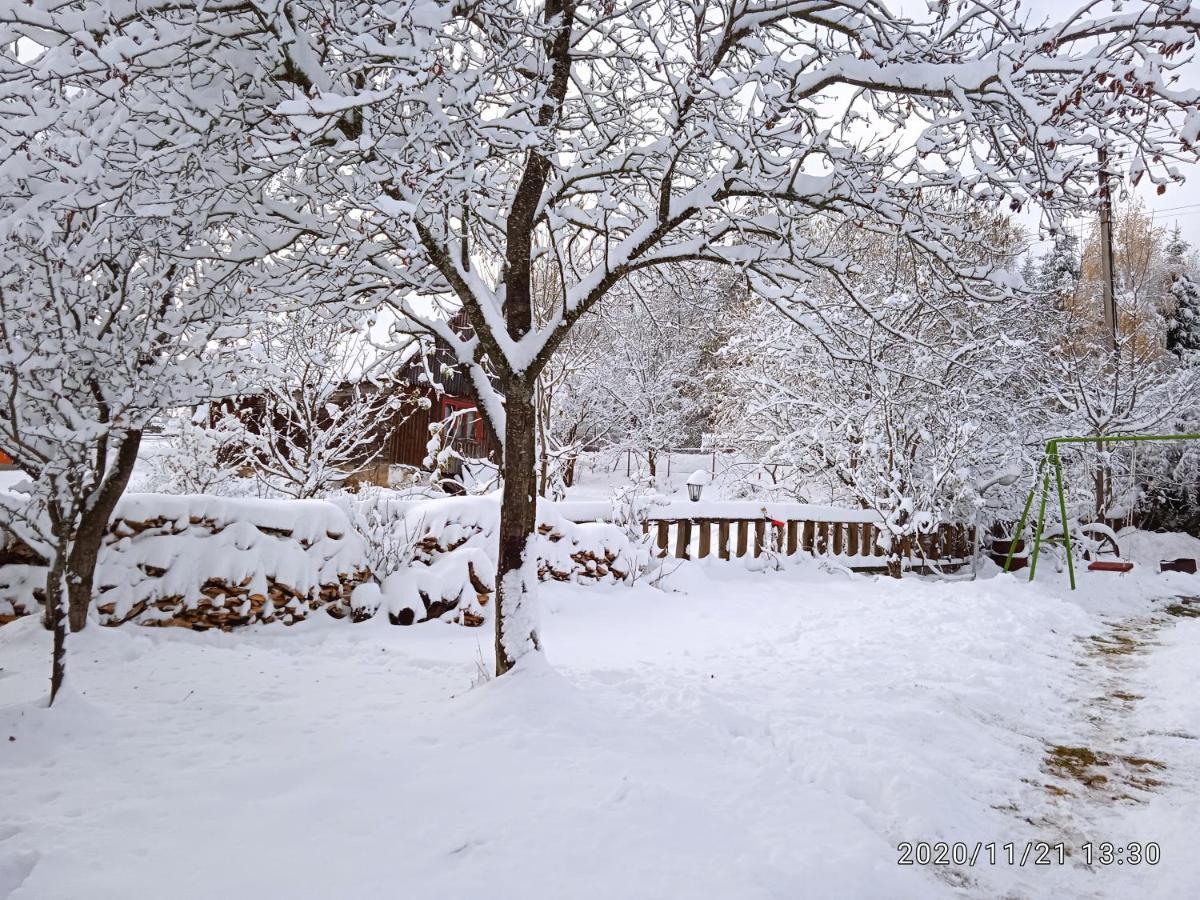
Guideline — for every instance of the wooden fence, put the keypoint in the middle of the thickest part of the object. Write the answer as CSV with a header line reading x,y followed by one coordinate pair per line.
x,y
853,543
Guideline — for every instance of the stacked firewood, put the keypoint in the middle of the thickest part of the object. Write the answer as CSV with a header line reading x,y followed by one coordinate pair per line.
x,y
442,583
587,562
225,606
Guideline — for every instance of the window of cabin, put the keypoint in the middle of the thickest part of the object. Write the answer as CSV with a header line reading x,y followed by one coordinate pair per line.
x,y
467,426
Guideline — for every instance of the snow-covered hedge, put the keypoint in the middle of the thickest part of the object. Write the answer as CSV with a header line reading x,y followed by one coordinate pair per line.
x,y
203,561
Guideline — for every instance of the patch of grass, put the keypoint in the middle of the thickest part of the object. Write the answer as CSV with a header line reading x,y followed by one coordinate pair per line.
x,y
1074,762
1116,645
1083,765
1142,762
1124,696
1185,609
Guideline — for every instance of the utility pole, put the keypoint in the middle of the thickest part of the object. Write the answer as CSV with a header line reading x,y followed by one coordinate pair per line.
x,y
1106,252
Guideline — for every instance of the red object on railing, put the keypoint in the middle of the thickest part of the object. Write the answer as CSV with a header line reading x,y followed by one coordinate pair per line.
x,y
1104,565
777,523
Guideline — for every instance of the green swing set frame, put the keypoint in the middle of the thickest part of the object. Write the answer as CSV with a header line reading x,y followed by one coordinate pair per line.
x,y
1051,459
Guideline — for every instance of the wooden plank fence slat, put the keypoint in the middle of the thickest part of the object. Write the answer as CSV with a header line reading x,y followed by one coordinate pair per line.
x,y
743,533
705,526
723,539
760,530
793,536
822,547
837,538
663,537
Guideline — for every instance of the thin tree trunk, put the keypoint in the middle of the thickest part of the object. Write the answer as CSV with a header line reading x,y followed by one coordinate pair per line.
x,y
544,472
56,614
652,461
516,583
1101,481
85,545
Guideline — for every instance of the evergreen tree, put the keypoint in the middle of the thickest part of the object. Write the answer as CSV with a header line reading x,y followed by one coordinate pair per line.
x,y
1060,269
1183,329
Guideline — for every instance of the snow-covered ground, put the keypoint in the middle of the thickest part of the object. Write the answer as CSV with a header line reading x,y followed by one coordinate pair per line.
x,y
746,735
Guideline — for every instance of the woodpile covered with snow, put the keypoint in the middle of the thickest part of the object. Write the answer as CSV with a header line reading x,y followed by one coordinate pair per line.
x,y
437,557
199,561
202,562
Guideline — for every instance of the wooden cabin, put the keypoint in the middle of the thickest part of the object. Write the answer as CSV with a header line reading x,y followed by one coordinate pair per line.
x,y
406,441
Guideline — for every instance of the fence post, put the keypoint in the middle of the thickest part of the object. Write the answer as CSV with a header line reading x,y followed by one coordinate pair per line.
x,y
793,534
760,530
663,536
683,538
743,533
705,526
723,539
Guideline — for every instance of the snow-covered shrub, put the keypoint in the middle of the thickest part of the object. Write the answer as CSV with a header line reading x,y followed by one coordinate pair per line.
x,y
196,458
389,539
631,507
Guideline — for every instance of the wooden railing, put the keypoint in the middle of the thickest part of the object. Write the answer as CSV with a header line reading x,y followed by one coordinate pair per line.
x,y
856,544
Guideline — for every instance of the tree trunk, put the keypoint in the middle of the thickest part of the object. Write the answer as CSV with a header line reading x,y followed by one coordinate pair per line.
x,y
652,461
1101,482
516,583
56,615
81,567
93,525
544,473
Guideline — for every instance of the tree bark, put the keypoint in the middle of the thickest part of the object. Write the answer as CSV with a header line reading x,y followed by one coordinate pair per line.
x,y
516,584
85,545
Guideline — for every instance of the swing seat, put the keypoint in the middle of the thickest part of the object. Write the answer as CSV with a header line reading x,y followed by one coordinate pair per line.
x,y
1109,565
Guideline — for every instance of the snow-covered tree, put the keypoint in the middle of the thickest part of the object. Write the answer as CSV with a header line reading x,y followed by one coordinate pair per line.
x,y
322,408
198,453
1183,328
904,408
109,316
438,150
1058,272
658,333
1084,387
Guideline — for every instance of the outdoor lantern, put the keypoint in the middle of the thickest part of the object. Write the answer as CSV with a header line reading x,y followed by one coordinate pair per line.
x,y
695,484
